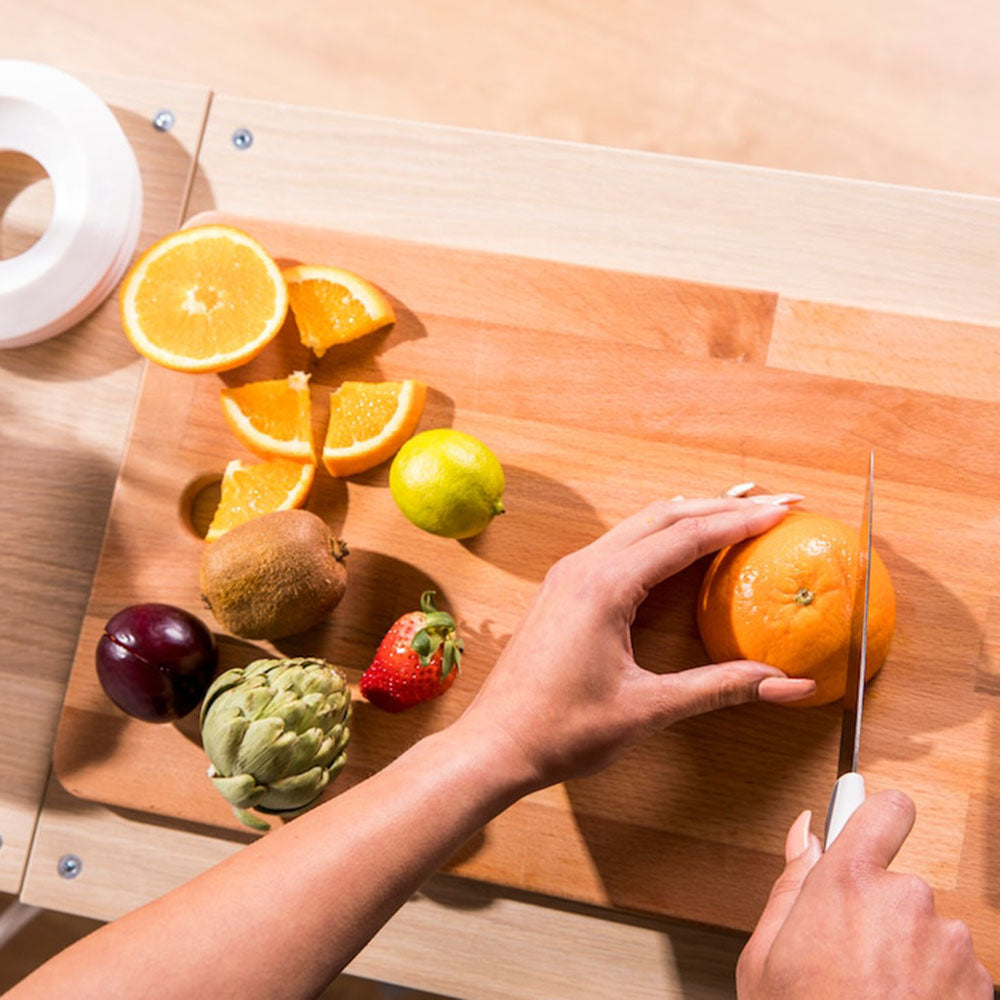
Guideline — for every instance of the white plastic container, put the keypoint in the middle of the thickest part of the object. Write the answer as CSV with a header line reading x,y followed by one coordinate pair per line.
x,y
76,263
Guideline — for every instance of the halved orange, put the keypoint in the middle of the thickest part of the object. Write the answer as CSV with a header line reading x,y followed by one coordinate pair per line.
x,y
203,299
369,421
272,418
332,306
251,490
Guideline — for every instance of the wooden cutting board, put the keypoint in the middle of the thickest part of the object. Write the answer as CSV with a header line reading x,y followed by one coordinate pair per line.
x,y
600,391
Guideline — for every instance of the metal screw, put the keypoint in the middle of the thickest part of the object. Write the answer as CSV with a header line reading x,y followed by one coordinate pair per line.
x,y
243,138
70,866
163,121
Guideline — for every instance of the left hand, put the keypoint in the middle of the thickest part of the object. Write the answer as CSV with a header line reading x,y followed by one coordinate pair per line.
x,y
566,696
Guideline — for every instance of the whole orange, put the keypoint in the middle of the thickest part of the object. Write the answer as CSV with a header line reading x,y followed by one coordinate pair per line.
x,y
785,597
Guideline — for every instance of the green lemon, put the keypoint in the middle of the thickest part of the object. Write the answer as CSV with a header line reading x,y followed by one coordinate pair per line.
x,y
447,483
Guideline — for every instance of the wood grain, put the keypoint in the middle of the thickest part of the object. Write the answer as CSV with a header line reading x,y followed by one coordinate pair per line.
x,y
590,426
65,408
927,354
901,91
880,247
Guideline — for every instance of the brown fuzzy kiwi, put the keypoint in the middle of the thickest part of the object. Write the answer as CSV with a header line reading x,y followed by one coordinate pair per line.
x,y
275,575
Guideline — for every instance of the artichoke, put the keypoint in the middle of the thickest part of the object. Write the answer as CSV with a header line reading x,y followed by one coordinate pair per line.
x,y
276,732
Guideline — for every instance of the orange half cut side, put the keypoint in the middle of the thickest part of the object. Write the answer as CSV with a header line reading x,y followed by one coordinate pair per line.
x,y
204,299
369,421
249,490
333,306
273,418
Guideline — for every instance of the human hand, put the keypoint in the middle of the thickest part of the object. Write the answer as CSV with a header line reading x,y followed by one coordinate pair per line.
x,y
566,696
839,925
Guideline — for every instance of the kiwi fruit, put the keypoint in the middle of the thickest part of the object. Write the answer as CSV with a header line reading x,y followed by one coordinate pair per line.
x,y
274,575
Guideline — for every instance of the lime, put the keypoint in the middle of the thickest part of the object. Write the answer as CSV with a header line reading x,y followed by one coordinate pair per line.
x,y
447,483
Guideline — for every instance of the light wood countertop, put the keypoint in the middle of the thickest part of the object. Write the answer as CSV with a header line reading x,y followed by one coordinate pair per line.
x,y
871,245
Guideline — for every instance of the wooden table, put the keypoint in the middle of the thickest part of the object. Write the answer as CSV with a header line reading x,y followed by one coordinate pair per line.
x,y
874,246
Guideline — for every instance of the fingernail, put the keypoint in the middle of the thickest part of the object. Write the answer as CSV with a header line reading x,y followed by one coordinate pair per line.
x,y
777,498
797,841
739,489
781,690
676,498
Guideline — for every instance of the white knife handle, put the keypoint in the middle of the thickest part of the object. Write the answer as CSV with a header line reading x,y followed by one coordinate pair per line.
x,y
848,794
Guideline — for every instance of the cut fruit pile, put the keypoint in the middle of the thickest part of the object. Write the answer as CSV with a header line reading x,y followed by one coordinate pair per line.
x,y
210,298
250,490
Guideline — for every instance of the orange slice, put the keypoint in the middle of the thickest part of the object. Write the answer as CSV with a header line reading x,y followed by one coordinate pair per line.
x,y
368,423
251,490
272,418
332,306
203,299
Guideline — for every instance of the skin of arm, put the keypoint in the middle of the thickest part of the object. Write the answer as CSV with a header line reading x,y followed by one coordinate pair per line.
x,y
283,916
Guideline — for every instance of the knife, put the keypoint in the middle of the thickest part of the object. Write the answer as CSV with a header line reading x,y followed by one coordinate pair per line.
x,y
849,790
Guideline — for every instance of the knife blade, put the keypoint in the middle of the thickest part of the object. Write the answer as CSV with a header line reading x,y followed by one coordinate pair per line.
x,y
849,789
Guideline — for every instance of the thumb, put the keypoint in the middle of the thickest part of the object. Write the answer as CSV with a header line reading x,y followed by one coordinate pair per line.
x,y
802,851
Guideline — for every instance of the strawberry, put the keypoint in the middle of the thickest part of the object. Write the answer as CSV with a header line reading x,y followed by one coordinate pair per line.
x,y
418,659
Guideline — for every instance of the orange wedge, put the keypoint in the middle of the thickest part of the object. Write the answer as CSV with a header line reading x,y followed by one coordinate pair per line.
x,y
369,421
332,306
251,490
203,299
272,418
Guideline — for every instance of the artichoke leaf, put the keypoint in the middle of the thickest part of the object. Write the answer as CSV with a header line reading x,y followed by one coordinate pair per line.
x,y
222,738
254,702
305,752
316,682
292,713
337,766
254,822
296,790
259,737
240,790
267,758
224,682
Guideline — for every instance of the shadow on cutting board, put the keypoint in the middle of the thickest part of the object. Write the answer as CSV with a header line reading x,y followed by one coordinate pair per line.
x,y
935,650
527,543
692,821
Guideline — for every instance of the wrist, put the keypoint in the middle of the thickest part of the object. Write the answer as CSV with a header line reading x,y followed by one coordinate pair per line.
x,y
497,758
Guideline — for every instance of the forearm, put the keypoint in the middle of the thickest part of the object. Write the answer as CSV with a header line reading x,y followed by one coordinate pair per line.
x,y
285,915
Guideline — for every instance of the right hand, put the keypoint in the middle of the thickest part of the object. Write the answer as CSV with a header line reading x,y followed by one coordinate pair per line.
x,y
566,696
840,925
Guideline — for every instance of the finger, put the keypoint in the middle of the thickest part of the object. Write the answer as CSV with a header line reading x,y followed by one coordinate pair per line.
x,y
653,558
876,832
672,697
662,513
802,851
658,515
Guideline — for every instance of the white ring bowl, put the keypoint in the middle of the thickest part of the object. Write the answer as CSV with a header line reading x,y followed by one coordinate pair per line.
x,y
49,115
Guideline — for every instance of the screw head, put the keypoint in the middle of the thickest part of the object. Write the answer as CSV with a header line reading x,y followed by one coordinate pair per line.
x,y
69,866
163,120
243,138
